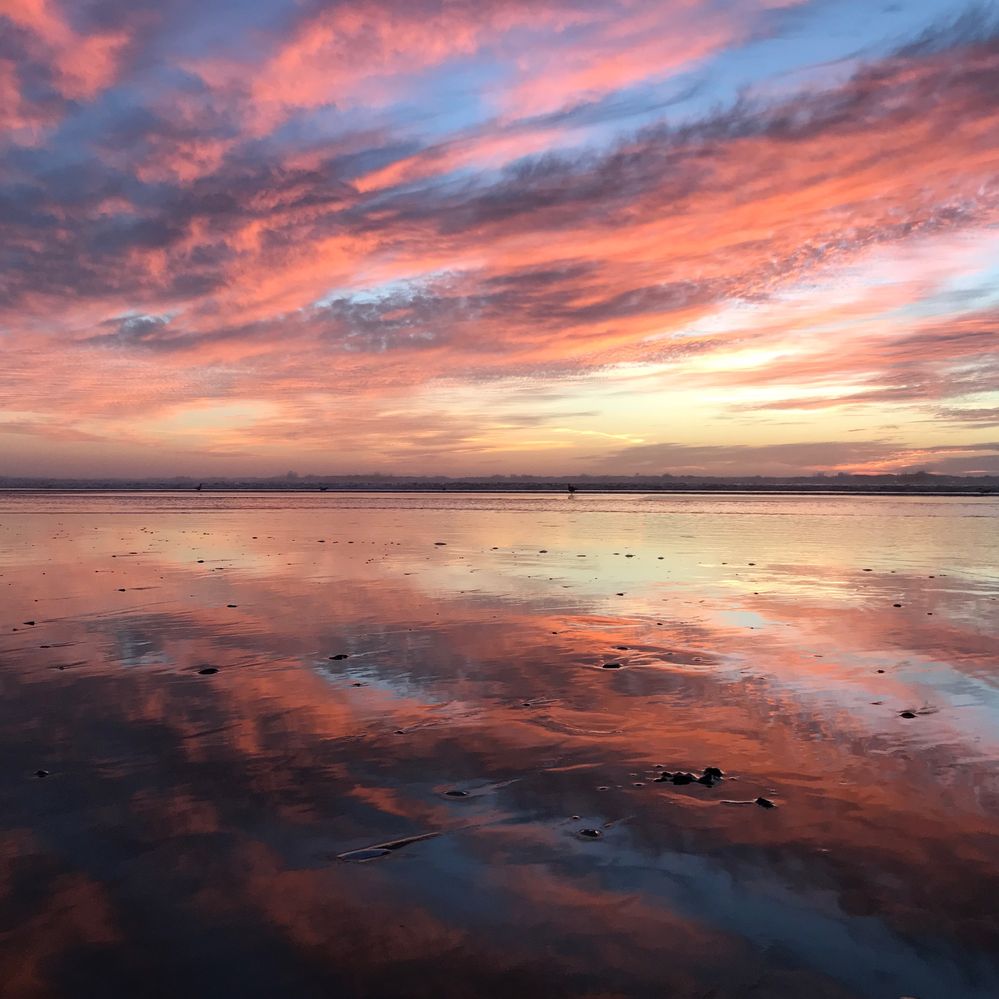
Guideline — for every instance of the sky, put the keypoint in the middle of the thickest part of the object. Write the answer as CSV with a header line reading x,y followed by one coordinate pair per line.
x,y
498,236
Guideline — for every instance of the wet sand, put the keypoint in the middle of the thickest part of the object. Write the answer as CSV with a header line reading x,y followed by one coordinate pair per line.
x,y
438,746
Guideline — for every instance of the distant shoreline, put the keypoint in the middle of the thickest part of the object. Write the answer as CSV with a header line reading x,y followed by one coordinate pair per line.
x,y
473,490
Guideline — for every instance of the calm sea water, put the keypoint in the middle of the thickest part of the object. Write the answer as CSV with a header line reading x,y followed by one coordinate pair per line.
x,y
324,745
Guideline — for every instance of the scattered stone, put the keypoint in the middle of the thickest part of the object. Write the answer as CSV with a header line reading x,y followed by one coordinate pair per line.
x,y
456,793
208,671
612,665
590,833
32,623
765,803
896,605
683,778
339,656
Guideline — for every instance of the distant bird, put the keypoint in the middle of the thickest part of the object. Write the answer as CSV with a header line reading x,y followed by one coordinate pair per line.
x,y
571,488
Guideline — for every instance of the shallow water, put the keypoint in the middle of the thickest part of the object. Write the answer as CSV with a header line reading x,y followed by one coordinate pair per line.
x,y
284,825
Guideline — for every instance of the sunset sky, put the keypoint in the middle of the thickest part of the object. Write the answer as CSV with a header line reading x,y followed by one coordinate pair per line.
x,y
239,237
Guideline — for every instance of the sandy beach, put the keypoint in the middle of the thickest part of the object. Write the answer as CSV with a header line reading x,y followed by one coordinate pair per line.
x,y
439,746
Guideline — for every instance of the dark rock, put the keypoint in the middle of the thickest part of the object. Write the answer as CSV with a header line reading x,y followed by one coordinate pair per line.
x,y
612,665
896,605
41,773
339,655
765,803
590,833
907,714
714,772
455,793
208,671
683,778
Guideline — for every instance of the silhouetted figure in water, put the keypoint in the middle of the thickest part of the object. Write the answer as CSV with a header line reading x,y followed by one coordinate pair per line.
x,y
323,489
571,488
198,488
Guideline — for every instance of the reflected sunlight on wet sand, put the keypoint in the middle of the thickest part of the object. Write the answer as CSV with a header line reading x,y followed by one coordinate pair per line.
x,y
396,745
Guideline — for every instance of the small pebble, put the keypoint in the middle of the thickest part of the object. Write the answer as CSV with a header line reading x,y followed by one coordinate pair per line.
x,y
765,803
